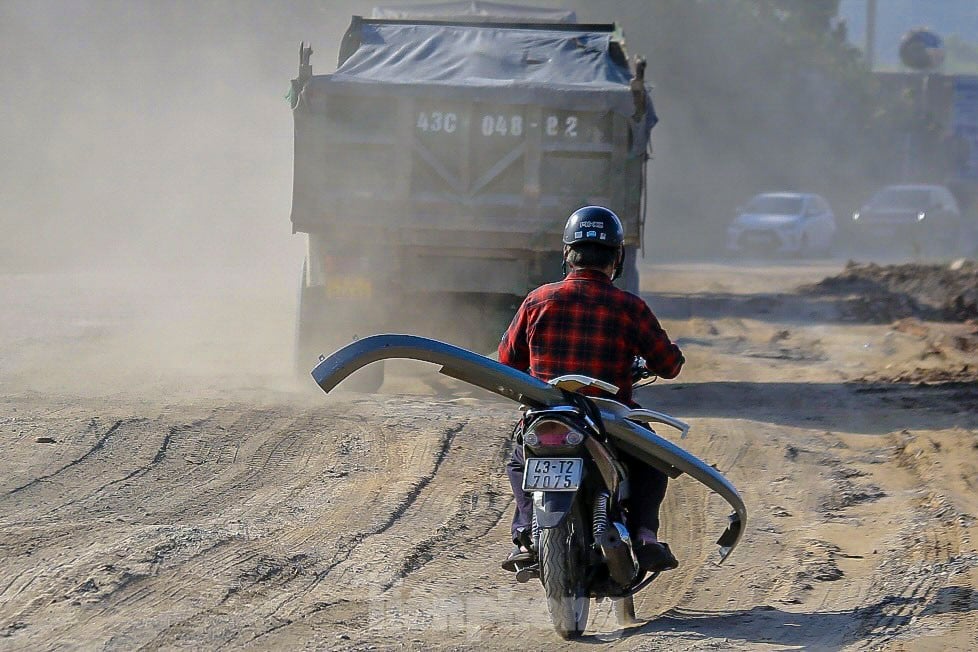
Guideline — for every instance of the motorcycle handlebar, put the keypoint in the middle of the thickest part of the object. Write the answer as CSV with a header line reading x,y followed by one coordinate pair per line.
x,y
640,369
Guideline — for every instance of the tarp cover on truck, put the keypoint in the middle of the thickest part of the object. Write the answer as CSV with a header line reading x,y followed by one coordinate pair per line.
x,y
568,67
475,10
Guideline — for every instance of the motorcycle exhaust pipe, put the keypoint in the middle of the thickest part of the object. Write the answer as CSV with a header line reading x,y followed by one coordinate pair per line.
x,y
615,543
619,554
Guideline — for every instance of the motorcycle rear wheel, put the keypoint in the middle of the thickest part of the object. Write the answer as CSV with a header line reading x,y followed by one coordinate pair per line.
x,y
567,600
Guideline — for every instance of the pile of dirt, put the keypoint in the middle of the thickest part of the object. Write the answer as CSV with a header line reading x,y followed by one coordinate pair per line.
x,y
963,374
884,293
945,354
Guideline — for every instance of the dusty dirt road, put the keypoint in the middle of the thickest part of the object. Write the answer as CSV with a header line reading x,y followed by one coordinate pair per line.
x,y
164,483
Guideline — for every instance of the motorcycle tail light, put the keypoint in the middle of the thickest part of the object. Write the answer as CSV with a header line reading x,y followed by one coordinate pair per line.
x,y
549,432
574,438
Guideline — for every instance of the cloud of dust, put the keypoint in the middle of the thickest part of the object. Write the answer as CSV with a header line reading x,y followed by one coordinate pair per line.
x,y
146,184
149,163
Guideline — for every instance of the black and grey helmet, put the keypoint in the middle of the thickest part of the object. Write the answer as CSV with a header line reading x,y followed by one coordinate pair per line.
x,y
594,224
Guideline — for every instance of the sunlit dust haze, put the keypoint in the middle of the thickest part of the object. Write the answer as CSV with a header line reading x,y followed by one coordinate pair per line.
x,y
145,187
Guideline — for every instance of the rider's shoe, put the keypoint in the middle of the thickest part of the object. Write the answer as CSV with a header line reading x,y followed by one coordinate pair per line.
x,y
518,555
656,557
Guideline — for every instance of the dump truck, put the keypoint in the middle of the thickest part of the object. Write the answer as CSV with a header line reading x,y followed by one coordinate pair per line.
x,y
435,167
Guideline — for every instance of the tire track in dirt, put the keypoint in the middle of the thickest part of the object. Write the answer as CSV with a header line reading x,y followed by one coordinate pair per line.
x,y
217,536
284,605
692,518
92,593
879,626
910,579
703,601
136,473
288,539
423,518
199,488
450,515
45,530
498,613
519,608
403,504
470,508
138,495
352,544
273,458
89,495
99,444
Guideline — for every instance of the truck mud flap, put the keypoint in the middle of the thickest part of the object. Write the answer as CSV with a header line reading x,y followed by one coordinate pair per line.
x,y
517,386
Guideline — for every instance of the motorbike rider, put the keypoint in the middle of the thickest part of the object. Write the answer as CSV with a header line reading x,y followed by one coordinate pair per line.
x,y
585,325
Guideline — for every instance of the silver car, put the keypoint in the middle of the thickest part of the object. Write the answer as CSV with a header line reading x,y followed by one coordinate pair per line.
x,y
783,222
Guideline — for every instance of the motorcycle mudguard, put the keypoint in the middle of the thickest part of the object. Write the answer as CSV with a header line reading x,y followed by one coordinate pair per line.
x,y
551,507
515,385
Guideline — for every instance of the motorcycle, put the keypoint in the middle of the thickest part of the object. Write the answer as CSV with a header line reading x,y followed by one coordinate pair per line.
x,y
580,487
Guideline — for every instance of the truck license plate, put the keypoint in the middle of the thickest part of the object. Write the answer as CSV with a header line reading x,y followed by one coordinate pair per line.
x,y
552,474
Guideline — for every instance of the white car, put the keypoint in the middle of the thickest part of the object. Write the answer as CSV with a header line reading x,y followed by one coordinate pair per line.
x,y
783,222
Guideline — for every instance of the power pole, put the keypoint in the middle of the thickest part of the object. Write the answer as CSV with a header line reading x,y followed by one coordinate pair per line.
x,y
870,33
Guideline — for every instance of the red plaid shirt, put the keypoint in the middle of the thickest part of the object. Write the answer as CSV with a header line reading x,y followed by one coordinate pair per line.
x,y
585,325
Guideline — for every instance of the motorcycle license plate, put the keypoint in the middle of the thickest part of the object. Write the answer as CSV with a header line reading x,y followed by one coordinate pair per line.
x,y
552,474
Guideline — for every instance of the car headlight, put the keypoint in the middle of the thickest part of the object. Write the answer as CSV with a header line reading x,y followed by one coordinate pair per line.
x,y
920,216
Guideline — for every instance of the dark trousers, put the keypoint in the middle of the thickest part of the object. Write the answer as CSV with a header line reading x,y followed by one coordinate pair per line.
x,y
647,485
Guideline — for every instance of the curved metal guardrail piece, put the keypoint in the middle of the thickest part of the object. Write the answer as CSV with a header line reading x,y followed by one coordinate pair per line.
x,y
517,386
456,362
661,453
